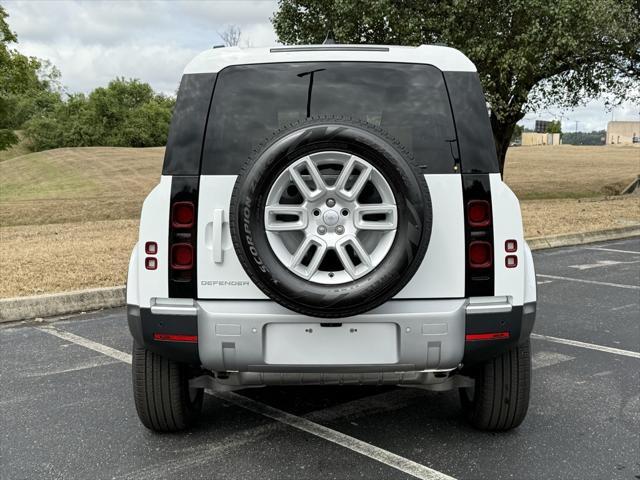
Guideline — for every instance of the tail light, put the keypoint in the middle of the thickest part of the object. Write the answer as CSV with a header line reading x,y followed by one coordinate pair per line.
x,y
182,236
479,213
480,254
181,256
479,236
182,215
479,242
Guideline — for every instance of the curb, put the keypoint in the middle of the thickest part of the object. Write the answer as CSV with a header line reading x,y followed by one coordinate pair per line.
x,y
56,304
555,241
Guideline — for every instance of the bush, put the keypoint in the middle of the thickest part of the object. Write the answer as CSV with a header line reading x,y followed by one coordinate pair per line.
x,y
126,113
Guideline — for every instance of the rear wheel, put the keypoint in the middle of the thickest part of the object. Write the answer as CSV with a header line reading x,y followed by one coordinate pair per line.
x,y
161,392
500,398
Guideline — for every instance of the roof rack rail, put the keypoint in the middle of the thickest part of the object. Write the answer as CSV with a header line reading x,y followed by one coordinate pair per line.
x,y
315,48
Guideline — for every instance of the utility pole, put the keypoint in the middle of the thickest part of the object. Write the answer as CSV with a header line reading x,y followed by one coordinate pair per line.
x,y
576,126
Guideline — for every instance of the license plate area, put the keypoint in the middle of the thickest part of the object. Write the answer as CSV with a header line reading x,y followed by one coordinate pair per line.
x,y
345,344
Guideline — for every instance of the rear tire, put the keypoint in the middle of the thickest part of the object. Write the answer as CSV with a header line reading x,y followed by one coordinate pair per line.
x,y
161,392
500,398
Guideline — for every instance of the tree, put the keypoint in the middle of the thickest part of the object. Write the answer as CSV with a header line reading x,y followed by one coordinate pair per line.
x,y
517,133
554,126
529,53
28,86
125,113
231,35
584,138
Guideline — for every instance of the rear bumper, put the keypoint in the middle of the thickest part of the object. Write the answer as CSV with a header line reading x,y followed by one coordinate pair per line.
x,y
265,337
399,336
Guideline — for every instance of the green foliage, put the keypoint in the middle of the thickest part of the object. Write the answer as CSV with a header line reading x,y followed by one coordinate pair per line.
x,y
517,133
529,53
126,113
554,126
6,35
584,138
22,88
28,86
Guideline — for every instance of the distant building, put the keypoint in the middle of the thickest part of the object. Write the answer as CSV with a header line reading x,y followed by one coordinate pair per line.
x,y
623,133
533,139
541,126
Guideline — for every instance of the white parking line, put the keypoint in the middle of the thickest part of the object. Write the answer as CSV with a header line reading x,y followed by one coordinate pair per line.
x,y
591,346
85,342
375,453
612,250
546,359
94,363
594,282
601,263
383,456
615,309
624,241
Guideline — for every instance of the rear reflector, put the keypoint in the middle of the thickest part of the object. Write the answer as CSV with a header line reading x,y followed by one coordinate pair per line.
x,y
151,248
181,256
486,336
171,337
480,254
479,213
510,246
182,215
150,263
511,261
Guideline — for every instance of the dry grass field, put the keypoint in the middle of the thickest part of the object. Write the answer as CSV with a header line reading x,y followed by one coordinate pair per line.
x,y
68,217
567,171
65,256
77,184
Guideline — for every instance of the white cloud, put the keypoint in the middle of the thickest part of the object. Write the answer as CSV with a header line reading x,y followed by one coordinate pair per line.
x,y
92,42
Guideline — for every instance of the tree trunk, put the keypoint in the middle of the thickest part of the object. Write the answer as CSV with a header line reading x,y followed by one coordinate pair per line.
x,y
502,131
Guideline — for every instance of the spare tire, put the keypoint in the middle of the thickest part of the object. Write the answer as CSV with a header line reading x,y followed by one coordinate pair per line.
x,y
330,217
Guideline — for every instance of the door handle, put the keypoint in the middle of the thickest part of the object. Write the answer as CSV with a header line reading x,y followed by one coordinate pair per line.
x,y
218,220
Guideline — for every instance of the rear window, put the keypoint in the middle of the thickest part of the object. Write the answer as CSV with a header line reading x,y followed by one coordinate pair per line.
x,y
250,102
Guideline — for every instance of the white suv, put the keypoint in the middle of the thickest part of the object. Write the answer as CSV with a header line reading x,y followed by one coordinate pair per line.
x,y
331,214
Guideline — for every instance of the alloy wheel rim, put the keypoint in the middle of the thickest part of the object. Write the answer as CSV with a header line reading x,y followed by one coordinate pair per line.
x,y
331,217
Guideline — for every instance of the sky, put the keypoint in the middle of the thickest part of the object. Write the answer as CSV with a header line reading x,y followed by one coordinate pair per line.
x,y
92,42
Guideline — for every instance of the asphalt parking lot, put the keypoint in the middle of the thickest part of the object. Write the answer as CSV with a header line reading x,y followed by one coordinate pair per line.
x,y
66,405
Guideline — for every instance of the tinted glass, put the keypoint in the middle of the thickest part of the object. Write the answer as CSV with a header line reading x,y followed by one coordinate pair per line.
x,y
477,148
184,145
250,102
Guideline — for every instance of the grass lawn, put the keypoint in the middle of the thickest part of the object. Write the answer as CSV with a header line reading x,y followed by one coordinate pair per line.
x,y
69,216
77,184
